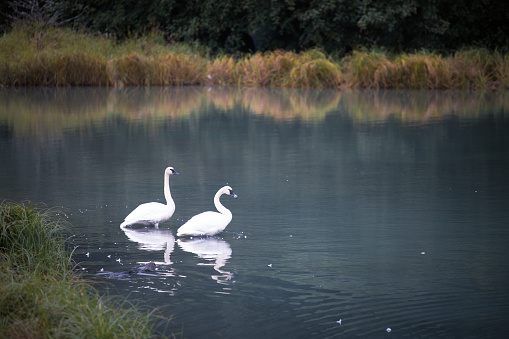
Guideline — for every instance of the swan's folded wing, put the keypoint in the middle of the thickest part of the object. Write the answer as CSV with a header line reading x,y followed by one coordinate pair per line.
x,y
206,223
150,212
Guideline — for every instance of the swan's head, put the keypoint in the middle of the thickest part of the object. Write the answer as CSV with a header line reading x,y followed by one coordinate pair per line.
x,y
170,170
228,190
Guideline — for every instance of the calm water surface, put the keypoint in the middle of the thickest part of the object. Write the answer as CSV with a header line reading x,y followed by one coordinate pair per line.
x,y
387,210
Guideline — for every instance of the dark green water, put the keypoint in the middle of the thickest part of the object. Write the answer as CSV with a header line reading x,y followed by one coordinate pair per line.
x,y
382,209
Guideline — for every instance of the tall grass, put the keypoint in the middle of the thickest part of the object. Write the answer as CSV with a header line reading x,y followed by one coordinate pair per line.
x,y
465,69
30,56
31,241
41,296
53,57
309,69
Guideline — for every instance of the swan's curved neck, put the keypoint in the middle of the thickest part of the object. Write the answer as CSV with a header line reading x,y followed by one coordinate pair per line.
x,y
221,209
167,193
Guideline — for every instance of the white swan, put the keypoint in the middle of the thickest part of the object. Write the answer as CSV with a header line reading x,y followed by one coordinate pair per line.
x,y
209,223
153,213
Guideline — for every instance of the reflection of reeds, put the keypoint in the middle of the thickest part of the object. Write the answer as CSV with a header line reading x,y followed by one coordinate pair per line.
x,y
420,107
287,105
47,113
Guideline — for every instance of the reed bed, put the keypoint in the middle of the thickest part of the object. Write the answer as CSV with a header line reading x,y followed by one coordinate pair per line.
x,y
309,69
465,69
41,296
62,57
53,57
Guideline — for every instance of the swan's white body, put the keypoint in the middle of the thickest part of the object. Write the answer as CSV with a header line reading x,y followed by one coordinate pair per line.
x,y
154,213
209,223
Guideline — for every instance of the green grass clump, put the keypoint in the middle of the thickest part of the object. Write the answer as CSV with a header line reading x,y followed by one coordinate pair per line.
x,y
41,296
31,242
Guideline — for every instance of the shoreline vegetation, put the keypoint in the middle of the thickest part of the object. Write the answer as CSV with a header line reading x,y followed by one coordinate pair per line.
x,y
61,57
41,293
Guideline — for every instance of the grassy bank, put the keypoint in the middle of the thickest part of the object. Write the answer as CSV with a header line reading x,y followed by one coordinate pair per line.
x,y
61,57
41,296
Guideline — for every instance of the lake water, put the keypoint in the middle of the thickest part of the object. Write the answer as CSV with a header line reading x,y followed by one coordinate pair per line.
x,y
388,210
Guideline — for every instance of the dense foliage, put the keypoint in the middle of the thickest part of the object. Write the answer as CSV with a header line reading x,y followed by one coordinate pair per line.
x,y
333,25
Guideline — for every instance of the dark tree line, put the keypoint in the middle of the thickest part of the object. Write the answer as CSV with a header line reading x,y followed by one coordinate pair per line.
x,y
247,25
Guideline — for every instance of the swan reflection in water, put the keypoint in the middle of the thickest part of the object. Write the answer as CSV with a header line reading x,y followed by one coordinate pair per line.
x,y
152,239
214,250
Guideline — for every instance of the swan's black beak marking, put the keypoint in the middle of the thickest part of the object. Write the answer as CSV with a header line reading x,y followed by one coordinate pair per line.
x,y
174,172
233,194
